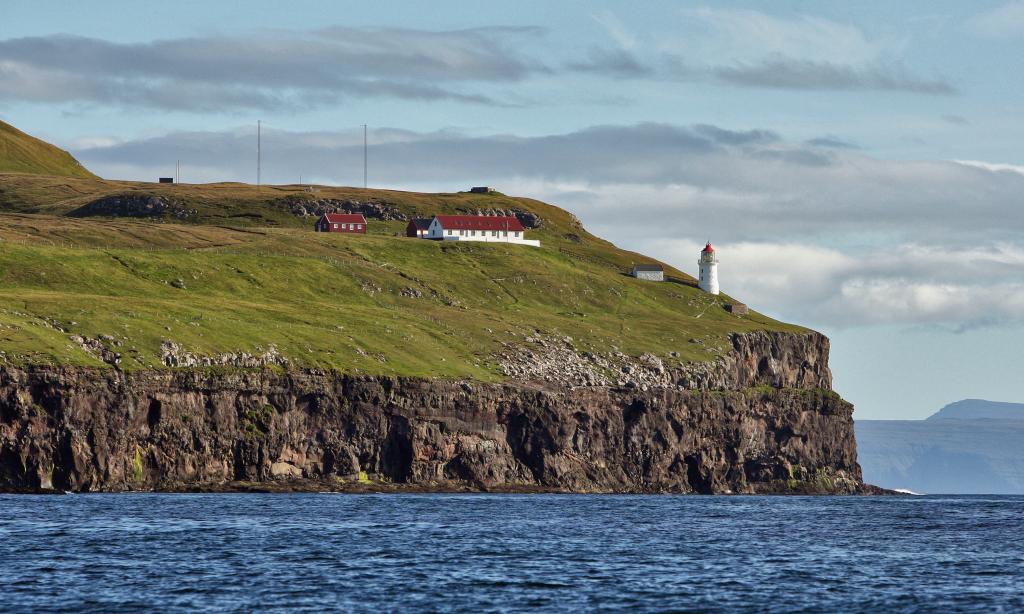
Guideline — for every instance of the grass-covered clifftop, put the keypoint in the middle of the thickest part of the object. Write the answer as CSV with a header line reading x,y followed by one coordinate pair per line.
x,y
21,153
227,268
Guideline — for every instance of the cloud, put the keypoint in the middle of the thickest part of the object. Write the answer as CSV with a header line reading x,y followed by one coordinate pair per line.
x,y
786,73
294,71
830,141
1004,21
814,233
956,120
615,63
992,166
905,284
615,29
269,70
752,49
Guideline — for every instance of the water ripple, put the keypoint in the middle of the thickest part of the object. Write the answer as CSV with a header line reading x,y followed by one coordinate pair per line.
x,y
117,553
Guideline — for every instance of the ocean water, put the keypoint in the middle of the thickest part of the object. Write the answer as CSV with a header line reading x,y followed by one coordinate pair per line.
x,y
314,552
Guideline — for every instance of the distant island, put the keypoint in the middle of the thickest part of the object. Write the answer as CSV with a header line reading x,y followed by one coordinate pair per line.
x,y
967,447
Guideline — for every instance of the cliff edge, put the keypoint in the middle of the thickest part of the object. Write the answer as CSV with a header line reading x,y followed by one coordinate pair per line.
x,y
760,420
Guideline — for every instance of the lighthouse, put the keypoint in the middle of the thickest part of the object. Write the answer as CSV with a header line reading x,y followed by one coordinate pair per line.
x,y
708,280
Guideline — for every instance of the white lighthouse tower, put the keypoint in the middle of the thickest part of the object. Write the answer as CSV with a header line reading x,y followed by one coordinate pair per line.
x,y
708,280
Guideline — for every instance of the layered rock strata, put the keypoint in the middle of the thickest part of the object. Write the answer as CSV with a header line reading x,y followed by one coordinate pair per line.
x,y
762,418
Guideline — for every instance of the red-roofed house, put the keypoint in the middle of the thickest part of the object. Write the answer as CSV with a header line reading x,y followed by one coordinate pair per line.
x,y
341,222
489,228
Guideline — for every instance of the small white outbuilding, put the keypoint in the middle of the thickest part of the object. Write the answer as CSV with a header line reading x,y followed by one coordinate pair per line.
x,y
650,272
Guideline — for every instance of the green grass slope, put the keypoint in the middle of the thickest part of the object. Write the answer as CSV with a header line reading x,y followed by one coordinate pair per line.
x,y
244,274
239,204
21,153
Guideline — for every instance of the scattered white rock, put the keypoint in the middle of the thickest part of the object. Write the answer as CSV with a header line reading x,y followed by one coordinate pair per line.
x,y
173,355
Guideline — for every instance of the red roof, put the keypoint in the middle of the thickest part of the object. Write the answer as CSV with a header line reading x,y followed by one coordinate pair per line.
x,y
708,248
345,218
479,222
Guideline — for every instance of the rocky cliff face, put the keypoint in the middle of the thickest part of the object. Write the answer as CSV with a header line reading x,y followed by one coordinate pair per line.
x,y
755,359
760,419
134,205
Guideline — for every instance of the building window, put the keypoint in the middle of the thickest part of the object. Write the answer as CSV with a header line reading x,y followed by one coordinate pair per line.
x,y
359,226
494,233
472,233
516,233
504,233
335,226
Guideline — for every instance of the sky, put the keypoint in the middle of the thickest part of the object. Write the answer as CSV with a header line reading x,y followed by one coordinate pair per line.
x,y
858,165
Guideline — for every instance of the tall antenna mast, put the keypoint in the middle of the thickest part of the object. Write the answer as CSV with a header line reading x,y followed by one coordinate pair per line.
x,y
177,171
259,153
364,156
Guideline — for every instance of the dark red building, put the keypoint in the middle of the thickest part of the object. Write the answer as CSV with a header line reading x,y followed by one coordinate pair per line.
x,y
341,222
418,227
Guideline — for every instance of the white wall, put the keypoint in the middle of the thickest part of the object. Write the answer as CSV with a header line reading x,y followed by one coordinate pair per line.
x,y
650,275
707,278
487,236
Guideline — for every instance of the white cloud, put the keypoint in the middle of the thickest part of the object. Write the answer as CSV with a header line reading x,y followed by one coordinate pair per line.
x,y
741,35
750,48
617,30
285,70
1004,21
904,284
992,166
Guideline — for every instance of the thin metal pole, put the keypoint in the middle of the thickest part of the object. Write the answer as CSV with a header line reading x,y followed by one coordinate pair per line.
x,y
259,153
364,156
177,171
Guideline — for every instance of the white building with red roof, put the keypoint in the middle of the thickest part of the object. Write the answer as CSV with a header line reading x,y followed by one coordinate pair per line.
x,y
708,263
487,228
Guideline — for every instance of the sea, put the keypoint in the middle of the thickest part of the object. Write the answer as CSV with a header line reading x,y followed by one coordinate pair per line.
x,y
484,553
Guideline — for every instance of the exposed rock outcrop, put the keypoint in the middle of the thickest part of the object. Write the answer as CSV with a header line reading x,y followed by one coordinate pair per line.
x,y
134,205
755,359
528,219
173,355
104,429
318,206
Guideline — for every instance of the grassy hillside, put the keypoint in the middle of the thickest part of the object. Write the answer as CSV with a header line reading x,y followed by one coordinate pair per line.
x,y
238,204
245,273
21,153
